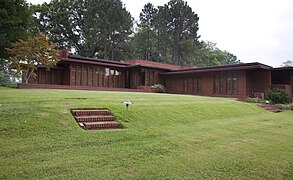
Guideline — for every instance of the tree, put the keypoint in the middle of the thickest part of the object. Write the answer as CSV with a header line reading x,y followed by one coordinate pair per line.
x,y
27,55
15,19
94,28
147,28
287,63
208,54
15,22
182,28
168,33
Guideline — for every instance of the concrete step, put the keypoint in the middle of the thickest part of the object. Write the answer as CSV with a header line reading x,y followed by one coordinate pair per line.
x,y
100,125
89,112
94,118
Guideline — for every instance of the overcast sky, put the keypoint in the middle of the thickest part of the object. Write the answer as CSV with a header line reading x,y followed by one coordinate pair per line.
x,y
253,30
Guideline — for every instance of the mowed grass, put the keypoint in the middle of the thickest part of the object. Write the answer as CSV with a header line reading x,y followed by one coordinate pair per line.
x,y
167,137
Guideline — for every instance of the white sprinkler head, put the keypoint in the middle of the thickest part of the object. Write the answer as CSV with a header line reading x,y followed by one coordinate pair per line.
x,y
127,102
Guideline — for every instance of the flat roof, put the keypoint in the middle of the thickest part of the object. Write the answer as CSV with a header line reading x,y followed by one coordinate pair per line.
x,y
231,67
173,69
125,64
283,68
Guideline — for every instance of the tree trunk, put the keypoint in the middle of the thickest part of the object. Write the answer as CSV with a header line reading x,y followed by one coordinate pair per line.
x,y
105,52
24,77
28,76
148,45
112,53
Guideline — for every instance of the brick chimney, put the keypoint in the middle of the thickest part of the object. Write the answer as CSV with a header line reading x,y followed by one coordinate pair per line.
x,y
63,53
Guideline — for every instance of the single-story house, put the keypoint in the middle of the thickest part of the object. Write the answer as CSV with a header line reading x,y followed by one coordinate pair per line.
x,y
237,80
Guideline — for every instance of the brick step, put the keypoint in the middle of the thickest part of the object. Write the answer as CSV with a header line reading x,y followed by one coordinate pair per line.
x,y
269,108
94,118
275,110
88,112
265,106
100,125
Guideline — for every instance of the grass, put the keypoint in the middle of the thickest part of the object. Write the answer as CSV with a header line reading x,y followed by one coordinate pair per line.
x,y
168,137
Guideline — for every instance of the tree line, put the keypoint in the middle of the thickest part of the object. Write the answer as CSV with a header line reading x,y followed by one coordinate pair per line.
x,y
105,29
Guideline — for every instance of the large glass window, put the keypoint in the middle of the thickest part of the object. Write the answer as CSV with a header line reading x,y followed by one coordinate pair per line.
x,y
216,84
226,84
73,74
90,76
97,76
142,77
78,75
229,84
101,77
196,85
185,85
223,83
85,76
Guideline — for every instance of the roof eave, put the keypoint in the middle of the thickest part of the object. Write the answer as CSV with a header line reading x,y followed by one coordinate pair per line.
x,y
223,68
92,62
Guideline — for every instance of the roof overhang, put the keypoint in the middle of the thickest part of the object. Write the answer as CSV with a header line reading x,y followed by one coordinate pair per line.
x,y
101,63
283,68
234,67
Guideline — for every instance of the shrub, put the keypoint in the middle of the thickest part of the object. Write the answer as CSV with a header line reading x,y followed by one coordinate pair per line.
x,y
277,96
290,106
254,100
159,86
282,106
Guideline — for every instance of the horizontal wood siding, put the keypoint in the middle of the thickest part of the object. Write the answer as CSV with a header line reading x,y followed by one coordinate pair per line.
x,y
52,76
258,81
204,84
96,76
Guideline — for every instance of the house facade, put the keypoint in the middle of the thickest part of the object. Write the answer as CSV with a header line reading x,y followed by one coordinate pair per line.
x,y
239,81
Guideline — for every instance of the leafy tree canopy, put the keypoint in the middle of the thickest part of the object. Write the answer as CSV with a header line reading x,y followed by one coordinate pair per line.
x,y
15,20
94,28
287,63
208,54
27,55
16,23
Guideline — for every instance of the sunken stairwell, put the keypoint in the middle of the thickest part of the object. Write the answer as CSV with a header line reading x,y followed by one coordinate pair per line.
x,y
95,119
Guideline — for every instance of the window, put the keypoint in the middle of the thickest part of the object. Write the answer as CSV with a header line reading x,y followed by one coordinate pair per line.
x,y
107,72
229,84
223,83
152,74
85,76
101,77
78,75
185,85
226,84
196,85
97,76
235,84
216,84
90,76
73,74
142,77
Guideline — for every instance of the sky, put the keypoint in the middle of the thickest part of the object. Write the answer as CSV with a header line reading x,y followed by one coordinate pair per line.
x,y
253,30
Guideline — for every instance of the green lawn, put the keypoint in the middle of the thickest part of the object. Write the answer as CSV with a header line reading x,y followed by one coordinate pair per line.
x,y
168,136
